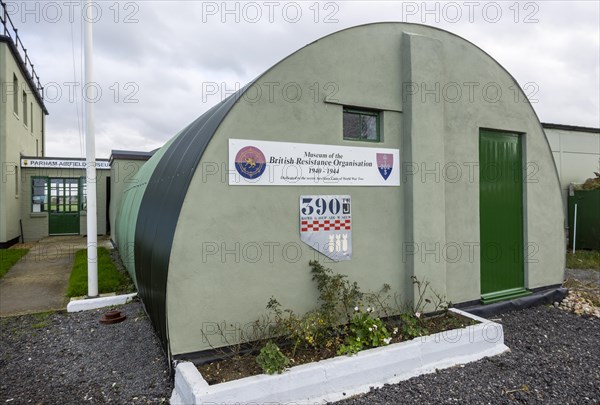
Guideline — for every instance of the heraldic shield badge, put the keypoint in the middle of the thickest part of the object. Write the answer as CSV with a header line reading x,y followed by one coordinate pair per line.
x,y
385,163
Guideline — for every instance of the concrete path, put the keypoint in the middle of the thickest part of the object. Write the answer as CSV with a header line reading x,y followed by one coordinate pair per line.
x,y
38,281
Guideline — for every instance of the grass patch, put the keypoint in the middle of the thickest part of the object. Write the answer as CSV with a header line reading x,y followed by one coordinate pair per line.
x,y
42,320
583,259
109,278
8,258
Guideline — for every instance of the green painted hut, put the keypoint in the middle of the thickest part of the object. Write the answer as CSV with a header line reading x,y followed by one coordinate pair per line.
x,y
421,146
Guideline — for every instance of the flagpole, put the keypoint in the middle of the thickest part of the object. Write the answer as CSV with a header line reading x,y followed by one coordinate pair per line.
x,y
90,154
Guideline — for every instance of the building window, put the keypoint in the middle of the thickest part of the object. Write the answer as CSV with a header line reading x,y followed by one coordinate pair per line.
x,y
24,108
31,113
15,94
64,195
83,191
39,194
17,181
361,125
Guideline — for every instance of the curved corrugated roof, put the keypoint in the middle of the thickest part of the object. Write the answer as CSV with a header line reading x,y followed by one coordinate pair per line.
x,y
160,206
127,214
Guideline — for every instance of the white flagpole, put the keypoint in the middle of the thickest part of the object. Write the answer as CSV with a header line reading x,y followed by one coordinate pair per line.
x,y
90,154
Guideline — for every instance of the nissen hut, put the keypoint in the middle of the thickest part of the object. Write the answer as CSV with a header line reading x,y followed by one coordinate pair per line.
x,y
384,151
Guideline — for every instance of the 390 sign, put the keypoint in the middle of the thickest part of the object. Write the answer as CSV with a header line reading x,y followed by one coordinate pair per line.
x,y
324,206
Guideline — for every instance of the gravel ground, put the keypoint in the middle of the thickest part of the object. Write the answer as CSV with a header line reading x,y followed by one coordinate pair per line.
x,y
554,359
61,358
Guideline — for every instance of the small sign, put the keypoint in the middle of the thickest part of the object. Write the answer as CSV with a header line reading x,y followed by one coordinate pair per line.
x,y
326,225
267,163
62,163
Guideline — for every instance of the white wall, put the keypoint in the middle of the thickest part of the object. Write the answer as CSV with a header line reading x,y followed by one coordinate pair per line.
x,y
18,136
576,155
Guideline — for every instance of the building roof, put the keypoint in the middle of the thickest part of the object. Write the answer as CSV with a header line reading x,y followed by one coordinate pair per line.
x,y
130,155
575,128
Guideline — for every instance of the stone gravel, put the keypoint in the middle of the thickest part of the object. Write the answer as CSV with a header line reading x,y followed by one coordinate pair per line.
x,y
554,359
62,358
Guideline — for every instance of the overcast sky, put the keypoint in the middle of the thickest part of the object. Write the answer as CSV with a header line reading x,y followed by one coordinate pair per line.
x,y
153,59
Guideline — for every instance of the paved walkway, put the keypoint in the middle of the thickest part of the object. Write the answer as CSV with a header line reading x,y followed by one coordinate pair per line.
x,y
38,281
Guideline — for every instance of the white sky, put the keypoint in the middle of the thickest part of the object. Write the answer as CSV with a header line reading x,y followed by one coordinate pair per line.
x,y
154,58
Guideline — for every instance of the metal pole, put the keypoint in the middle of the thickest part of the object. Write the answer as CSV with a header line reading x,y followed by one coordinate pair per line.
x,y
90,154
574,228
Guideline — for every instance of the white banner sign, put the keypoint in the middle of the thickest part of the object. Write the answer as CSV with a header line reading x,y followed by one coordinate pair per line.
x,y
264,163
62,164
326,225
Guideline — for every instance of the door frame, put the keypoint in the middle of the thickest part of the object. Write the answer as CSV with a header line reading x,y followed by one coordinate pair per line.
x,y
520,290
58,214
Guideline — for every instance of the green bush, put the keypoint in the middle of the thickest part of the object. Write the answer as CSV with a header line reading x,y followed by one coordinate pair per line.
x,y
338,325
411,326
271,360
322,327
364,332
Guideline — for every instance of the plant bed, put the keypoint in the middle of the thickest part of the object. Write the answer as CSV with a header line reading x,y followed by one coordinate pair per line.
x,y
343,376
352,341
245,365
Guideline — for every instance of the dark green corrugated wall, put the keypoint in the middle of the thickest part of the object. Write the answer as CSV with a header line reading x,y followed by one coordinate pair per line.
x,y
149,211
128,211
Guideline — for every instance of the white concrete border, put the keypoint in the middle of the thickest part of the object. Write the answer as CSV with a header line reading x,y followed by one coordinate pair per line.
x,y
345,376
101,302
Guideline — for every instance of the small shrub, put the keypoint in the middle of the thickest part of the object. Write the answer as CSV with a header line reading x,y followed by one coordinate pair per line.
x,y
364,331
338,325
379,301
337,295
411,326
271,359
439,301
310,330
593,183
319,328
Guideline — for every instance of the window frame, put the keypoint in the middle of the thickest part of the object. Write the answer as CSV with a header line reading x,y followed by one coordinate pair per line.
x,y
25,107
17,181
363,112
83,194
15,95
47,195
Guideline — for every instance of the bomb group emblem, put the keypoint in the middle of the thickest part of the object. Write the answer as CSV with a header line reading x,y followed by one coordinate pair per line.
x,y
326,225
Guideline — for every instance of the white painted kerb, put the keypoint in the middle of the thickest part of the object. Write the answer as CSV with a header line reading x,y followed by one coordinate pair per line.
x,y
345,376
101,302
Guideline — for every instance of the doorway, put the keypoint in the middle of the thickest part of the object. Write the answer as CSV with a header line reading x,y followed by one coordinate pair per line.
x,y
501,216
63,215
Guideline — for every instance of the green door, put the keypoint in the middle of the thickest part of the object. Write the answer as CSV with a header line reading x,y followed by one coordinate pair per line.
x,y
501,216
63,216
